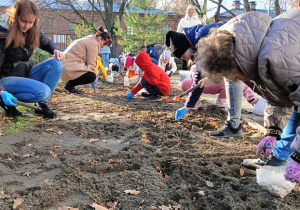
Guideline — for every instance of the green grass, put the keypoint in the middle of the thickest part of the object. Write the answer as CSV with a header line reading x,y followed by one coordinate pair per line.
x,y
17,124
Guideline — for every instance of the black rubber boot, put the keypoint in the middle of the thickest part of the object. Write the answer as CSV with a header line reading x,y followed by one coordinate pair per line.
x,y
46,112
72,89
10,110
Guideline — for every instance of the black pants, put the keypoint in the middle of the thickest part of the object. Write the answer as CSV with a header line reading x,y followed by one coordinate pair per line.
x,y
86,78
184,65
153,90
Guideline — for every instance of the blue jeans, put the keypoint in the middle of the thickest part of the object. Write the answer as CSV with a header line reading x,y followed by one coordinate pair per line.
x,y
42,80
153,90
282,149
105,59
234,94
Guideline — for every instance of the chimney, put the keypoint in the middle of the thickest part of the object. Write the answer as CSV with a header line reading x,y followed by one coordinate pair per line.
x,y
252,5
236,5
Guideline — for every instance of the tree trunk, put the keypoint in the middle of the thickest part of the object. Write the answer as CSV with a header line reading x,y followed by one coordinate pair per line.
x,y
246,5
277,7
217,14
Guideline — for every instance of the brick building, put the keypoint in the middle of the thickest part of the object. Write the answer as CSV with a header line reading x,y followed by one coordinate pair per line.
x,y
59,29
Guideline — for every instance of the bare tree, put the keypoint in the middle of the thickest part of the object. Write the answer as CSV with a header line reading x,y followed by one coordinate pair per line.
x,y
201,10
177,6
217,14
219,3
103,8
246,5
277,7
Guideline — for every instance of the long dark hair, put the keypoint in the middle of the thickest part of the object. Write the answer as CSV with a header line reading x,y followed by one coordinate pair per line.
x,y
22,8
104,35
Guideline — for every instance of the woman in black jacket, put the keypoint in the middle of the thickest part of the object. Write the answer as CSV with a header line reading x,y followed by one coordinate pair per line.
x,y
19,36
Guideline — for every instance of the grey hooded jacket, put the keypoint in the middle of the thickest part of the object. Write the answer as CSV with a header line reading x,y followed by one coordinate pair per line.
x,y
268,52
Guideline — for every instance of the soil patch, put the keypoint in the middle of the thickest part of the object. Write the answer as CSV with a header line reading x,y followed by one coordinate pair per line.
x,y
104,144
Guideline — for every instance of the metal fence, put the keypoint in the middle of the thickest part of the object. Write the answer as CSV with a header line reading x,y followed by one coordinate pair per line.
x,y
61,40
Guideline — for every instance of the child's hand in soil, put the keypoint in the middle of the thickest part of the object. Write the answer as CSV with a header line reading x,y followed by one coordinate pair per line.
x,y
265,147
180,112
292,171
129,95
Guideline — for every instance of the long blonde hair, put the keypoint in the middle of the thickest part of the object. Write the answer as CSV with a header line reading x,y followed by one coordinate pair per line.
x,y
22,8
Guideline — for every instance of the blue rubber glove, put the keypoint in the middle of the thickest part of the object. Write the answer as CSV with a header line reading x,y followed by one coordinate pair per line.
x,y
94,84
129,95
180,112
7,98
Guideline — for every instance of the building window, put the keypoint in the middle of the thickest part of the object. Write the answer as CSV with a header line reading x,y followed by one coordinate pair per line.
x,y
129,30
59,38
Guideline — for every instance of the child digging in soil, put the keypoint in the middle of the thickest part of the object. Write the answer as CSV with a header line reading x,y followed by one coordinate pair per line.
x,y
154,80
265,54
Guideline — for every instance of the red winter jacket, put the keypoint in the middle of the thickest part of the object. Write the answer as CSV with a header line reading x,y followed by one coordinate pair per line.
x,y
153,74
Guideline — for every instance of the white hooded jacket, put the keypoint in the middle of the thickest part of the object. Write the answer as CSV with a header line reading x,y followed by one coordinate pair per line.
x,y
187,22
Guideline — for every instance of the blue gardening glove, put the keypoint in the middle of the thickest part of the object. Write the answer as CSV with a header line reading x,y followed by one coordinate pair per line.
x,y
94,84
180,112
129,95
7,98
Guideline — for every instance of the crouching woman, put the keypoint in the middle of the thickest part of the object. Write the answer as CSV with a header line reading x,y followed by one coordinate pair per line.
x,y
19,36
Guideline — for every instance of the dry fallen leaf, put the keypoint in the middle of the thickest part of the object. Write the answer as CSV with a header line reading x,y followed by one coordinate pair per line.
x,y
111,161
242,172
2,196
18,202
98,207
157,168
67,152
146,141
28,155
57,147
29,145
153,208
103,140
54,119
201,192
163,207
49,129
67,208
93,140
132,192
245,126
53,154
144,136
60,133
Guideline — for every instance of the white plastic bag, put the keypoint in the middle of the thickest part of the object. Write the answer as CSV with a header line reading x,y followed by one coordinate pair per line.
x,y
272,179
110,78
